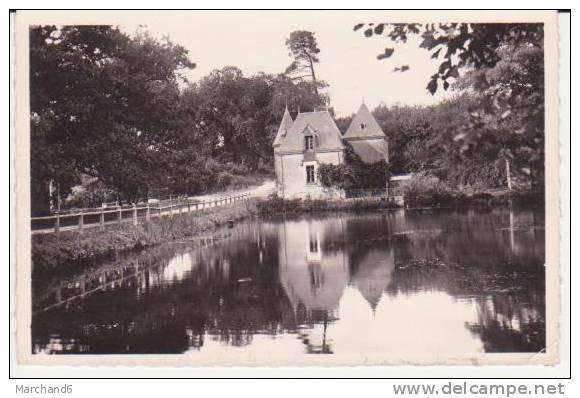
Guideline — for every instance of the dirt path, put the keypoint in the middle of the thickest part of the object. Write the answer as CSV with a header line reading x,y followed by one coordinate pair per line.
x,y
261,191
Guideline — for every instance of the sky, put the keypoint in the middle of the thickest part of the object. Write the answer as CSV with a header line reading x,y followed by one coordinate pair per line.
x,y
254,41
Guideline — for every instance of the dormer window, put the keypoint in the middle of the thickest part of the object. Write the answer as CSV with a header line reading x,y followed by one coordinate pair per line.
x,y
309,142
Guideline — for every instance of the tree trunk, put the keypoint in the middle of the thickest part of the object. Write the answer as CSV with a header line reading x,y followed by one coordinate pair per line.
x,y
313,75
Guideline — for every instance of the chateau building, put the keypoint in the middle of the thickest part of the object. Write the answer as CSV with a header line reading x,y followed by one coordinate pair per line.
x,y
302,145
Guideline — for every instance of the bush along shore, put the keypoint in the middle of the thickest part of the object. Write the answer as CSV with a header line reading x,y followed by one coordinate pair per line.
x,y
73,249
449,199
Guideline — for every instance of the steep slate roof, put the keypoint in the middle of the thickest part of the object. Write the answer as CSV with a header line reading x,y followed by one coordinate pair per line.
x,y
370,151
328,136
283,129
371,127
374,275
296,282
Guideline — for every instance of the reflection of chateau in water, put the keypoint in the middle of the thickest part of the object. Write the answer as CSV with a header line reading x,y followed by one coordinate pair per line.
x,y
315,268
339,283
316,264
373,275
312,279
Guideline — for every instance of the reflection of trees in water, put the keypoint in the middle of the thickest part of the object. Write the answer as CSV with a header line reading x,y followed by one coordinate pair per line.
x,y
467,254
476,261
241,288
511,323
233,303
479,242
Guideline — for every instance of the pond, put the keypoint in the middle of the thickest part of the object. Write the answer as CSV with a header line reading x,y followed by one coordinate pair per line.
x,y
408,283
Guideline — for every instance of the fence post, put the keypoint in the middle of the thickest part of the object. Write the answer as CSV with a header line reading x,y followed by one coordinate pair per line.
x,y
188,206
179,204
147,213
57,223
134,214
120,214
81,220
102,219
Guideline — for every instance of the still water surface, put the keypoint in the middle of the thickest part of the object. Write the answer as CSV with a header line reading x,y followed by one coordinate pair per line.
x,y
436,283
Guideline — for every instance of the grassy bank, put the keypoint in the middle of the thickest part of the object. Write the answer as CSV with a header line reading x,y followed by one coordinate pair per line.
x,y
75,248
279,206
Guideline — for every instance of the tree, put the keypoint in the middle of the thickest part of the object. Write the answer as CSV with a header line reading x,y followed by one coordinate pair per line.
x,y
237,116
343,122
304,49
103,105
503,66
420,135
458,45
510,116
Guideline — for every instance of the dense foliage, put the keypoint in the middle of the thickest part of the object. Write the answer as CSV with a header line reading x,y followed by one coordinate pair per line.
x,y
354,173
102,104
114,108
112,112
421,140
499,119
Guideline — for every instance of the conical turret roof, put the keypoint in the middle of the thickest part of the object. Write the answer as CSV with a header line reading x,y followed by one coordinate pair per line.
x,y
373,275
285,125
364,125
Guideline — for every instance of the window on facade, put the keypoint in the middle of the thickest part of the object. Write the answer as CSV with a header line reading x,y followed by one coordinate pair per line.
x,y
316,275
309,142
310,175
363,126
313,244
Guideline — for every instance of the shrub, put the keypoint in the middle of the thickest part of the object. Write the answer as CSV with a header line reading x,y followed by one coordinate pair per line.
x,y
425,190
425,185
354,173
340,176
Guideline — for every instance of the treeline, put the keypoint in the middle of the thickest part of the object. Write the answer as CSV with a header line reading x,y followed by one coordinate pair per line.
x,y
422,140
494,120
114,112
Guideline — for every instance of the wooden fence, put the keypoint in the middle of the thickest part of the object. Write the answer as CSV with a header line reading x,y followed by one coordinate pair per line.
x,y
100,217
